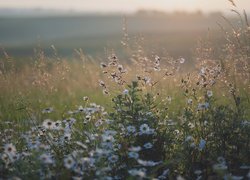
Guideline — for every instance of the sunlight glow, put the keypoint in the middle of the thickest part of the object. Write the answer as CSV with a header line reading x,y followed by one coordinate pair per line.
x,y
126,5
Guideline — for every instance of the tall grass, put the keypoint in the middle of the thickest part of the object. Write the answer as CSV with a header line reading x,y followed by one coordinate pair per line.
x,y
155,121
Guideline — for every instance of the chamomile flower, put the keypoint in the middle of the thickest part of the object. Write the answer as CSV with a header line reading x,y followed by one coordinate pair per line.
x,y
138,172
189,138
182,60
189,101
148,145
203,106
202,144
67,136
147,163
85,98
144,129
46,159
103,65
47,110
113,158
10,149
58,125
135,148
131,129
125,92
48,124
220,167
133,155
69,162
209,93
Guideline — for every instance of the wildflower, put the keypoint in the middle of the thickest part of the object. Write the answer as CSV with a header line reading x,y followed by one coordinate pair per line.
x,y
157,68
202,71
69,162
77,178
170,122
147,163
102,84
110,132
164,174
202,144
105,92
135,148
182,60
189,101
108,138
4,157
176,131
88,118
221,165
236,177
85,98
179,177
58,125
244,167
48,124
138,172
87,161
192,145
144,129
189,138
15,178
125,92
221,160
209,93
146,80
169,99
10,149
48,110
120,67
46,159
80,109
113,158
190,125
98,122
197,172
131,129
148,145
117,147
245,123
202,106
67,137
157,59
103,65
133,155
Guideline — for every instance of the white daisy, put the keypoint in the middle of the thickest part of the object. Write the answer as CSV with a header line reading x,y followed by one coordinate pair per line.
x,y
144,129
113,158
131,129
125,92
69,162
148,145
10,149
133,155
46,159
48,124
209,93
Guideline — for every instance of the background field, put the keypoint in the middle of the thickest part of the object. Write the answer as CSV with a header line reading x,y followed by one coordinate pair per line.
x,y
176,32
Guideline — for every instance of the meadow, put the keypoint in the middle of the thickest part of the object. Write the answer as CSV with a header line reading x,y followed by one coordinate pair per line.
x,y
135,112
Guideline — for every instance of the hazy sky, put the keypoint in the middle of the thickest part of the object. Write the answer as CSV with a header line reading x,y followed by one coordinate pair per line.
x,y
126,5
